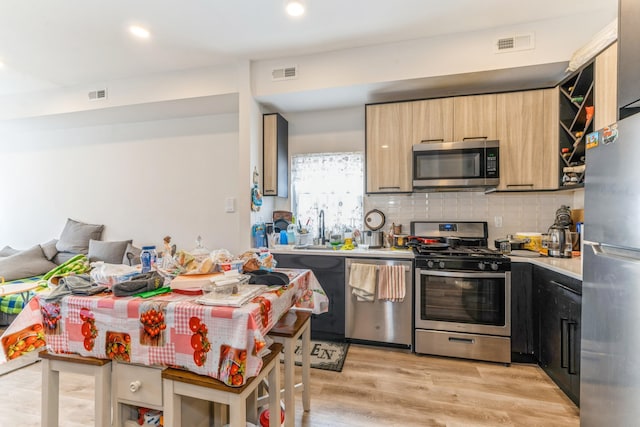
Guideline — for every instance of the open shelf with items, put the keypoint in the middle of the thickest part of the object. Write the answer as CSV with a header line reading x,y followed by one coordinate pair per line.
x,y
576,112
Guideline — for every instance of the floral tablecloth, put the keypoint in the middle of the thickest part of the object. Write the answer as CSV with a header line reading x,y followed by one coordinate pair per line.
x,y
165,330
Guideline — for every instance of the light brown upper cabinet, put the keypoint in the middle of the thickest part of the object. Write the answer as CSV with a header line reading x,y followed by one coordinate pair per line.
x,y
388,148
474,117
275,145
527,128
606,87
432,120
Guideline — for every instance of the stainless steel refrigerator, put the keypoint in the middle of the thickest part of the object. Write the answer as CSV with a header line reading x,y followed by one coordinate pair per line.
x,y
610,357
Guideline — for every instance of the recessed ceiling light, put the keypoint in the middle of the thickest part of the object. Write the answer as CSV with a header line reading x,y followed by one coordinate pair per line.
x,y
140,32
294,7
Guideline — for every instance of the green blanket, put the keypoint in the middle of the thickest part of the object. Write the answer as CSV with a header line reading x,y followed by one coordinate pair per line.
x,y
77,265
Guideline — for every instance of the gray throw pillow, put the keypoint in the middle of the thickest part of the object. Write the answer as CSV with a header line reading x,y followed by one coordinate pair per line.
x,y
8,251
62,257
109,252
28,263
76,235
50,249
133,253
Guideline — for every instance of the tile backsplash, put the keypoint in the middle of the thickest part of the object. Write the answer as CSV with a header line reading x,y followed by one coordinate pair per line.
x,y
518,212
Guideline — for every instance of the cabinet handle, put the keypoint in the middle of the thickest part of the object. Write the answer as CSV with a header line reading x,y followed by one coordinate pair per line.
x,y
572,347
432,140
474,137
269,191
519,185
389,188
462,340
564,343
135,386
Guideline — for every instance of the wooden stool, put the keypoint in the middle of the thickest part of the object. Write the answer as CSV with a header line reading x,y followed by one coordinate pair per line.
x,y
177,383
53,364
290,327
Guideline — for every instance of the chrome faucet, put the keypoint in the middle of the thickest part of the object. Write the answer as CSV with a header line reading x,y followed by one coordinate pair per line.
x,y
321,235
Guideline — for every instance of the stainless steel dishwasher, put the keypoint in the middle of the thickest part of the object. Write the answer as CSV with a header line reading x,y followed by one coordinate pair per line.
x,y
379,321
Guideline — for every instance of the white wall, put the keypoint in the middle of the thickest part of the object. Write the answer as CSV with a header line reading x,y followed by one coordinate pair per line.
x,y
335,130
142,180
555,41
143,90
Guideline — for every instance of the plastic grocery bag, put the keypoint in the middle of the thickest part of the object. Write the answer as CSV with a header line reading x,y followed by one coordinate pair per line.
x,y
110,274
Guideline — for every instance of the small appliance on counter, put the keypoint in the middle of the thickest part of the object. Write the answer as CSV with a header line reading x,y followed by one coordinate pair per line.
x,y
509,243
373,238
559,240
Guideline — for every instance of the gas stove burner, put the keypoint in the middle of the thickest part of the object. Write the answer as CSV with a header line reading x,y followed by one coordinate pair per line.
x,y
454,246
473,251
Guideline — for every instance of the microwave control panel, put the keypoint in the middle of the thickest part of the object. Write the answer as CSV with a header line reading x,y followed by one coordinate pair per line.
x,y
492,163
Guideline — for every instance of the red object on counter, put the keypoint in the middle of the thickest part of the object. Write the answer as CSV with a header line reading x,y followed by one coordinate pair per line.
x,y
422,240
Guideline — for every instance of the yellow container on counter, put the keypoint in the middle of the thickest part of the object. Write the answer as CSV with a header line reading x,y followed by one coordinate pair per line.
x,y
533,241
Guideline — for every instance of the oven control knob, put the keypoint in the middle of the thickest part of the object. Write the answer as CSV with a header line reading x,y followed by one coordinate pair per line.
x,y
494,266
430,264
441,264
481,265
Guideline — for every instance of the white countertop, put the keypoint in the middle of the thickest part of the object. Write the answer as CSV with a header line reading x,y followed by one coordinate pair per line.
x,y
357,252
571,267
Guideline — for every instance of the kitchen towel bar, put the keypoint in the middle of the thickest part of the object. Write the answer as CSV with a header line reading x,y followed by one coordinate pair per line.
x,y
378,267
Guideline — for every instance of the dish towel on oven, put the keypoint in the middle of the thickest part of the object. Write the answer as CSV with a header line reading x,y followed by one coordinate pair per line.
x,y
362,279
391,283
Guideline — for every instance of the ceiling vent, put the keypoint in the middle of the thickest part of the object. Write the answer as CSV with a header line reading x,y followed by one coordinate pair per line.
x,y
96,95
284,73
514,43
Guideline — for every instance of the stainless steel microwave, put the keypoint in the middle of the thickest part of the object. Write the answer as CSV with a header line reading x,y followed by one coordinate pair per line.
x,y
466,164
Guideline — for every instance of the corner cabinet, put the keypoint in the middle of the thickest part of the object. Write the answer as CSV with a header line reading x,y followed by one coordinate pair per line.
x,y
275,145
558,302
576,103
527,130
388,148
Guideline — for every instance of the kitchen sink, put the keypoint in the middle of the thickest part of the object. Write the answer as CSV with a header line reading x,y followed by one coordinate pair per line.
x,y
315,247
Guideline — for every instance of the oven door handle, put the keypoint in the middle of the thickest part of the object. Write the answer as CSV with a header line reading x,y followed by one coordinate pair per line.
x,y
474,275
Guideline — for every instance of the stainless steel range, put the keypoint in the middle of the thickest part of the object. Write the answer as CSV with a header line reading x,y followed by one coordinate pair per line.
x,y
462,292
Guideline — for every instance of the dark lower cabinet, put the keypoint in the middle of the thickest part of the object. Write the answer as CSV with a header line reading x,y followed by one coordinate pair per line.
x,y
558,303
522,325
330,272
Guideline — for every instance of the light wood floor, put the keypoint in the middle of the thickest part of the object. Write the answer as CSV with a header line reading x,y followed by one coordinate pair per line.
x,y
377,387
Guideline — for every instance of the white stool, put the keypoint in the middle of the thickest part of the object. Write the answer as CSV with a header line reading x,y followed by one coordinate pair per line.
x,y
53,364
293,325
177,383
